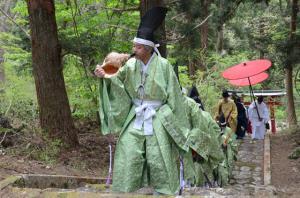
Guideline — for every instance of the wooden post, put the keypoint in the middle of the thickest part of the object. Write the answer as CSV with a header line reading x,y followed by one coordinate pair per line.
x,y
272,114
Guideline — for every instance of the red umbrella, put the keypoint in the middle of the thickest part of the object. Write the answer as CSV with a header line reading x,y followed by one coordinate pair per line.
x,y
247,69
251,80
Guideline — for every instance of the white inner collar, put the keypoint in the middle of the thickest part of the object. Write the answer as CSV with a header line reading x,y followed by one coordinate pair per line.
x,y
145,66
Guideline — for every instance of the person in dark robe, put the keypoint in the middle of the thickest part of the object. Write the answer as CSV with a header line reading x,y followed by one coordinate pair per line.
x,y
194,94
241,118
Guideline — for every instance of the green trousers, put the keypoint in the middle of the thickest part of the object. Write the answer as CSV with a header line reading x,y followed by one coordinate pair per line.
x,y
146,161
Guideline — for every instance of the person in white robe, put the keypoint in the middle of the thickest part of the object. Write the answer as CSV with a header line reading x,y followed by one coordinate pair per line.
x,y
259,116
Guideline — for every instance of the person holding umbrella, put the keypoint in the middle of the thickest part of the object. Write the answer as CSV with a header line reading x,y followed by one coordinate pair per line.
x,y
259,117
247,74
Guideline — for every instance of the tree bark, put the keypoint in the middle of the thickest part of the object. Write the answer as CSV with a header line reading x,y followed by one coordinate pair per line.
x,y
54,109
199,62
5,7
291,114
160,33
220,29
2,74
220,40
192,68
204,27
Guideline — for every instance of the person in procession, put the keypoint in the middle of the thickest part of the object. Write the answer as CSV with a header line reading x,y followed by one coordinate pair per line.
x,y
205,148
143,103
212,160
259,117
226,108
242,119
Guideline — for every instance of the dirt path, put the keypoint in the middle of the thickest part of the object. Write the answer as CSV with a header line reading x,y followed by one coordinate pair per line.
x,y
285,172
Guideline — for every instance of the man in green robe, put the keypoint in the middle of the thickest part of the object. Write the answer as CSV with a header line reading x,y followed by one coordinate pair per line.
x,y
207,141
144,105
203,140
230,150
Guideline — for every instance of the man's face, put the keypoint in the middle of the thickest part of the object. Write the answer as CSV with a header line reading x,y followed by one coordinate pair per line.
x,y
140,51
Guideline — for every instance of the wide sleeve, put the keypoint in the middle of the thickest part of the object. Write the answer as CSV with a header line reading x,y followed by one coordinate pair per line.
x,y
217,110
203,137
114,103
173,114
175,98
251,111
234,112
266,115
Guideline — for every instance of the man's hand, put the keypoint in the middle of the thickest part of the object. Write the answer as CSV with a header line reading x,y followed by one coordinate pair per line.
x,y
99,71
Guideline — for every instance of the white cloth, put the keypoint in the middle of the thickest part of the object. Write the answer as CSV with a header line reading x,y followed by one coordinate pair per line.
x,y
258,127
144,111
258,132
147,42
145,66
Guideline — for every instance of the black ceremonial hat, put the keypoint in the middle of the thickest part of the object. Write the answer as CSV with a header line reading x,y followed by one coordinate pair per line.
x,y
150,22
193,92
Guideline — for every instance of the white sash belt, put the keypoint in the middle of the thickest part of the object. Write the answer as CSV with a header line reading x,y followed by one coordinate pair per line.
x,y
144,112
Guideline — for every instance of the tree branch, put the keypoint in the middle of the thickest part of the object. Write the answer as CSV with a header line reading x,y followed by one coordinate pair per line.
x,y
197,26
11,19
3,137
121,9
178,15
202,22
120,27
6,112
171,2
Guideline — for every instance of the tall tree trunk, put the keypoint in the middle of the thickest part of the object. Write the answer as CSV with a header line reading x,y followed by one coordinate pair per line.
x,y
261,45
261,26
197,62
55,114
192,68
220,40
220,28
2,74
204,27
160,33
4,26
291,114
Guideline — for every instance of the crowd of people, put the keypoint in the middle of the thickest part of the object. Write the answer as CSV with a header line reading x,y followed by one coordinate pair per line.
x,y
165,138
254,119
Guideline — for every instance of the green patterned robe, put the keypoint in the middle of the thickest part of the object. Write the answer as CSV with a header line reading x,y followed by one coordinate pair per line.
x,y
230,151
145,160
204,139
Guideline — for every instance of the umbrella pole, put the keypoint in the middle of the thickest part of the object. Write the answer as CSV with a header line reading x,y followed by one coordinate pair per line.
x,y
252,93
